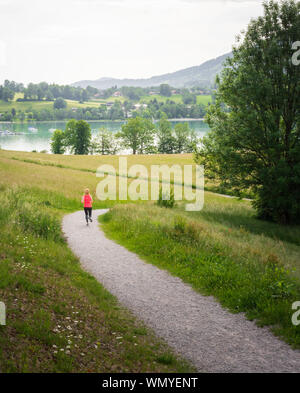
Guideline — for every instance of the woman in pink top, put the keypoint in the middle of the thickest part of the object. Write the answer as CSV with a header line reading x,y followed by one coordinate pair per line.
x,y
87,201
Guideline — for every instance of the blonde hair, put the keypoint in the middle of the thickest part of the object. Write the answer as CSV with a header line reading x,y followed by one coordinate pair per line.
x,y
87,191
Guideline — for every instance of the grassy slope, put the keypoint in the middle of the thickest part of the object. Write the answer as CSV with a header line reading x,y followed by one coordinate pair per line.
x,y
249,265
59,319
91,163
40,105
222,250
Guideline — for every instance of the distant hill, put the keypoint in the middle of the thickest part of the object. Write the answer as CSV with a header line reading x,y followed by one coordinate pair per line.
x,y
202,75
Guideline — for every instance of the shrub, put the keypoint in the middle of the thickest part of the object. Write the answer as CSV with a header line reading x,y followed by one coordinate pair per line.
x,y
163,201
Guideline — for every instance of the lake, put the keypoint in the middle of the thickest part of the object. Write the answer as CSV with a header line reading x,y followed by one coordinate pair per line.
x,y
39,139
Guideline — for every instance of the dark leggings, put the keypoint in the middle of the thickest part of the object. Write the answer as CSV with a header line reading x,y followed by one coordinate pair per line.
x,y
88,212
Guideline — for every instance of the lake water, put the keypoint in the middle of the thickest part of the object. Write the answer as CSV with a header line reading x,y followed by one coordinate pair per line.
x,y
39,139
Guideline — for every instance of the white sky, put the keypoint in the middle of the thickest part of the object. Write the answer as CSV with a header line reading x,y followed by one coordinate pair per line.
x,y
64,41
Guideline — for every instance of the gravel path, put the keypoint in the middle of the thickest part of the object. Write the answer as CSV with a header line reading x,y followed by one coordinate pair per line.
x,y
195,326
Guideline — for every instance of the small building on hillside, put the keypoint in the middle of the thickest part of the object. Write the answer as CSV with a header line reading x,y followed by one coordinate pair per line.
x,y
117,94
138,106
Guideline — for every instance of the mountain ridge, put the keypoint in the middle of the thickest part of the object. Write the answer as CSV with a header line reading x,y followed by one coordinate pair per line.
x,y
201,75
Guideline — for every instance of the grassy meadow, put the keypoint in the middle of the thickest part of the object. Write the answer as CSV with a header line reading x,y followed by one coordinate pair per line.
x,y
40,105
89,164
61,319
249,265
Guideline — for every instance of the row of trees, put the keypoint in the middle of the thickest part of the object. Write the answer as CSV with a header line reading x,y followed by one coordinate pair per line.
x,y
45,91
8,90
49,92
174,110
135,93
139,135
188,97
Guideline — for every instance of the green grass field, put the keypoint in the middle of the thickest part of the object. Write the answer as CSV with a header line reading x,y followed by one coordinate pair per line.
x,y
204,99
249,265
40,105
59,318
91,163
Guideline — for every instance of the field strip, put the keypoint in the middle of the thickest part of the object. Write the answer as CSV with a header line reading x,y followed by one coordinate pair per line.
x,y
196,326
52,164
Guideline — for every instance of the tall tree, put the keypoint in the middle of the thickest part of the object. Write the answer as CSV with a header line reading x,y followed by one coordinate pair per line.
x,y
57,142
166,140
82,137
138,134
105,142
165,90
182,133
255,138
78,136
59,103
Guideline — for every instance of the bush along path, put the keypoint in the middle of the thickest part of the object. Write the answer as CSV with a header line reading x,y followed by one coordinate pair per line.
x,y
195,326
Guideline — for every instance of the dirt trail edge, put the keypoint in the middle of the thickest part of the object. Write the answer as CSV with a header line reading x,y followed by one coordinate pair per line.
x,y
195,326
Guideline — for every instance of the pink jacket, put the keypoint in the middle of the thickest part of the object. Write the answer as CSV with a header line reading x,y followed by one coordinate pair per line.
x,y
87,200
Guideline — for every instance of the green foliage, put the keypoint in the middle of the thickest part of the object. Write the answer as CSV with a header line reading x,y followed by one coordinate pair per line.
x,y
254,144
58,142
133,93
165,90
78,136
82,137
166,140
180,224
138,135
166,359
182,140
39,222
182,133
188,98
6,93
166,200
105,143
59,103
43,90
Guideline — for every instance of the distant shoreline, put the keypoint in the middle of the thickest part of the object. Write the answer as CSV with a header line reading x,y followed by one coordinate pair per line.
x,y
89,121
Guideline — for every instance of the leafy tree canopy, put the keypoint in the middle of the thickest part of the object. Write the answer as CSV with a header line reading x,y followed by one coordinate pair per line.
x,y
255,139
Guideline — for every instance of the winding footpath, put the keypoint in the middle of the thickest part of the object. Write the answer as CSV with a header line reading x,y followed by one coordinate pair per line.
x,y
195,326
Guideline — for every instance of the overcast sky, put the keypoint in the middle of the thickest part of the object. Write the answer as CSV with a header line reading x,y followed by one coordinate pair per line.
x,y
64,41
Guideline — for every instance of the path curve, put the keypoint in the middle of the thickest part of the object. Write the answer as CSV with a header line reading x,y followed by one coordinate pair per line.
x,y
196,326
